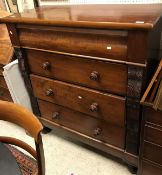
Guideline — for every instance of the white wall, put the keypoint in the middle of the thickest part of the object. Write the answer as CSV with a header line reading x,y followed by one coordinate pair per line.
x,y
25,4
98,2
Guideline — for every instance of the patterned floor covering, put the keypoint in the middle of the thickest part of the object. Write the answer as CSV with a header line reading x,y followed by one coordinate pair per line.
x,y
28,165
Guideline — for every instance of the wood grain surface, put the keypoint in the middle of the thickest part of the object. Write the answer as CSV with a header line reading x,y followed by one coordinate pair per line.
x,y
81,99
99,75
92,16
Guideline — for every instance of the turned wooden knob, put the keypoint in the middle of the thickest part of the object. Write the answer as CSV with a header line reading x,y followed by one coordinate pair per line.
x,y
94,107
97,131
46,66
55,115
49,92
94,76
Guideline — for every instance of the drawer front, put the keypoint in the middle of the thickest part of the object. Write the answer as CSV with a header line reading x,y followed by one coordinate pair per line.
x,y
153,116
153,135
84,124
150,169
5,94
152,152
95,74
97,43
2,82
101,105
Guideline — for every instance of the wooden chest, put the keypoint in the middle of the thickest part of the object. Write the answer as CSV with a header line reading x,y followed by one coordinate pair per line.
x,y
86,67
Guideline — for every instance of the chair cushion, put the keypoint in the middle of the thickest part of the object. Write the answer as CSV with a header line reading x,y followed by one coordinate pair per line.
x,y
27,164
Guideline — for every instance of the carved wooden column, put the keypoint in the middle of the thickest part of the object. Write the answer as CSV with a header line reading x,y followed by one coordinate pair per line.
x,y
25,73
133,113
23,65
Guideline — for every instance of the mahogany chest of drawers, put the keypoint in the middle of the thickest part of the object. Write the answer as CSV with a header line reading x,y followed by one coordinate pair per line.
x,y
85,68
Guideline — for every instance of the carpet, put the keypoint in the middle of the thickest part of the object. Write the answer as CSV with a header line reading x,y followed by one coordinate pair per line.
x,y
27,165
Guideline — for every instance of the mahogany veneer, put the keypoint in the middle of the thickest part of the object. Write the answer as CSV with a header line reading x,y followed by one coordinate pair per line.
x,y
85,68
79,71
150,169
98,129
80,99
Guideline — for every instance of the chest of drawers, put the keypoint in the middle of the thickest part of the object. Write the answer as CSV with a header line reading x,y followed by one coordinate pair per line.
x,y
85,68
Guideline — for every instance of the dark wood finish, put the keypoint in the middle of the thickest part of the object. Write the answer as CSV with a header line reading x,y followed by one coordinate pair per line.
x,y
153,116
134,90
92,16
106,44
132,169
3,82
137,40
115,45
80,99
1,70
153,134
79,71
110,149
95,128
152,152
5,94
40,155
13,34
150,159
150,169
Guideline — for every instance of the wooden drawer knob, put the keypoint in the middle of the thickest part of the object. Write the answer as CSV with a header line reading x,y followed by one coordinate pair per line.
x,y
97,131
46,66
49,92
94,107
55,115
95,76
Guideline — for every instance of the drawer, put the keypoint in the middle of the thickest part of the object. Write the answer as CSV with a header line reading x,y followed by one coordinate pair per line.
x,y
95,74
150,169
152,152
101,105
84,124
2,82
5,94
97,43
153,116
153,135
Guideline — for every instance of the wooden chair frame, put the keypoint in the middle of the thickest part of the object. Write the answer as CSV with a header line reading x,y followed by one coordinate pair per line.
x,y
22,117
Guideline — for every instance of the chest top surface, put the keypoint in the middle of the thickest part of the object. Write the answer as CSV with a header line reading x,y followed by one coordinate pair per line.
x,y
92,16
